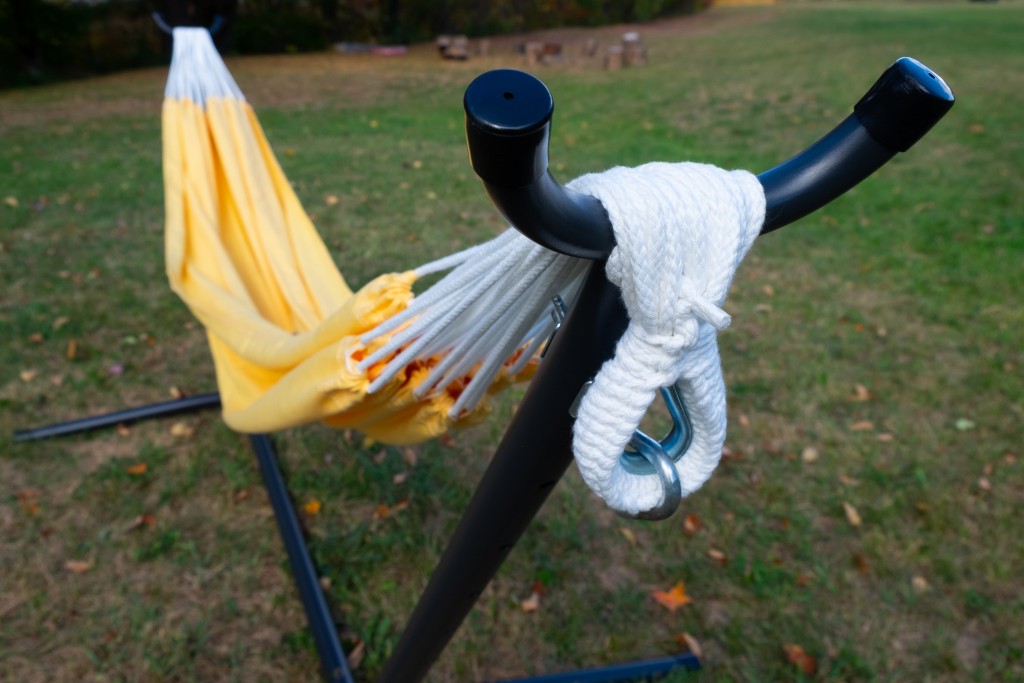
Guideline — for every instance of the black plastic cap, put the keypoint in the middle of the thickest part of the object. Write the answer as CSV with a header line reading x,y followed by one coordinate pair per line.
x,y
906,101
508,121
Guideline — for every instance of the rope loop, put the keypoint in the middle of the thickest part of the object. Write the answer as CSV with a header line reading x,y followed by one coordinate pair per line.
x,y
681,231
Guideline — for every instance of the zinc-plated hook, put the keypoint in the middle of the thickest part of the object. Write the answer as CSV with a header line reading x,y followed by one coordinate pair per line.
x,y
651,457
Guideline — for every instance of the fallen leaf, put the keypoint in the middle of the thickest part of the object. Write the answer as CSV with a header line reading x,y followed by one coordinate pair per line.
x,y
72,349
796,656
984,484
400,478
369,442
628,534
744,421
123,429
852,516
176,393
331,199
861,393
77,566
691,644
181,429
862,426
28,375
976,128
36,338
884,437
382,511
531,604
417,164
141,521
447,439
919,584
860,563
964,425
356,655
692,524
115,369
672,599
380,457
809,454
60,322
718,556
410,456
1010,458
768,290
137,470
848,481
312,508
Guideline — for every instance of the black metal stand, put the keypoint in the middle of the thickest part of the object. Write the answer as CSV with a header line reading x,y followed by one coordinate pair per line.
x,y
508,126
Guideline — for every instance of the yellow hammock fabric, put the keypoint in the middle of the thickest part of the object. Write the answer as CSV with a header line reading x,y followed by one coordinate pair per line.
x,y
283,326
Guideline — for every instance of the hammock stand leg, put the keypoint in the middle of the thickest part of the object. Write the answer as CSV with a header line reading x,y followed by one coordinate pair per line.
x,y
533,455
190,404
332,658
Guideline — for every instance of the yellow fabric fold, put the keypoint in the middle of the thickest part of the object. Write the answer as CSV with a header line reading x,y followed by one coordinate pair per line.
x,y
282,324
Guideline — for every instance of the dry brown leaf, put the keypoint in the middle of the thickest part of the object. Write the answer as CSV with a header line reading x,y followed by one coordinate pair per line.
x,y
884,437
984,484
862,426
691,644
77,566
176,393
28,375
331,199
919,584
181,429
809,454
410,456
692,524
674,598
768,290
861,393
60,322
718,556
860,563
36,338
312,507
628,534
123,429
72,349
796,656
11,201
400,478
744,421
356,655
852,516
137,469
532,603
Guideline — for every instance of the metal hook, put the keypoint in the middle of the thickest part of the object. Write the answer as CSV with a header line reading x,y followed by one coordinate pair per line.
x,y
662,465
649,456
216,25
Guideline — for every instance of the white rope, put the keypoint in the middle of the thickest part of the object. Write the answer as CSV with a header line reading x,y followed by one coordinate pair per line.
x,y
197,71
681,230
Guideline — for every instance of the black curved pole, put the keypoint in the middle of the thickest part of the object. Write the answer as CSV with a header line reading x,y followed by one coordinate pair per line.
x,y
508,126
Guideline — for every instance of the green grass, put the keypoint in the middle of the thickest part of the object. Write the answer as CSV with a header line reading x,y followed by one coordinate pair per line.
x,y
909,286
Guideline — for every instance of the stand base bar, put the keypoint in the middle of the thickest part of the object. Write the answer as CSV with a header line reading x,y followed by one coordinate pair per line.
x,y
318,614
190,404
645,670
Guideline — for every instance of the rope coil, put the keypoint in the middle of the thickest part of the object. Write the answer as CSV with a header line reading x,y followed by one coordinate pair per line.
x,y
681,231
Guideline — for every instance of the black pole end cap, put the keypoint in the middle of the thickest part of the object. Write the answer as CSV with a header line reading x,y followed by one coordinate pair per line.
x,y
906,101
508,121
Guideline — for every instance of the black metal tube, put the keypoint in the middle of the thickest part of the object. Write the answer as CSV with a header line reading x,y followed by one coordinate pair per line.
x,y
508,122
530,460
645,670
167,408
332,657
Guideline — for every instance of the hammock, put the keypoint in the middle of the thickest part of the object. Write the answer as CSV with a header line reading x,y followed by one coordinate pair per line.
x,y
291,342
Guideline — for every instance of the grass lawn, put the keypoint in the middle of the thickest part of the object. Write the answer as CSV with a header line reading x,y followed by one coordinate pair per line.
x,y
869,510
